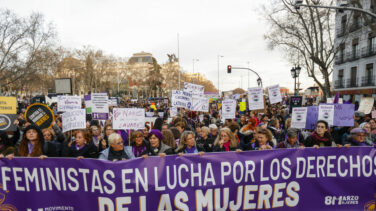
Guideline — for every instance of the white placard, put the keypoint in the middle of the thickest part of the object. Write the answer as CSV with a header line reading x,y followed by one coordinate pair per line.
x,y
366,104
228,109
194,89
200,104
161,114
173,111
112,101
99,103
181,99
326,113
128,118
373,114
331,100
256,98
149,121
274,94
149,114
299,117
68,103
75,119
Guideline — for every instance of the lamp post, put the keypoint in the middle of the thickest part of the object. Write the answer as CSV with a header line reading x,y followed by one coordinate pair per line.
x,y
218,57
295,71
193,67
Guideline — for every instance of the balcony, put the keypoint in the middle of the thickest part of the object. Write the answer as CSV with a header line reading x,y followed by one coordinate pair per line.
x,y
352,83
341,31
354,27
352,56
339,84
368,51
368,81
339,60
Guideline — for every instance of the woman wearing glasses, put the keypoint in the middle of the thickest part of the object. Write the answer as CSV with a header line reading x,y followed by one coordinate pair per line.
x,y
140,146
116,150
357,138
320,137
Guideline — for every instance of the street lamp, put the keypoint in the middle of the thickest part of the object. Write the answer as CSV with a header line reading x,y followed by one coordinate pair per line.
x,y
295,71
193,67
218,56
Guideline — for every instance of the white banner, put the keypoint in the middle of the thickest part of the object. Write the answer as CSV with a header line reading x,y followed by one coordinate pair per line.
x,y
256,98
366,104
68,103
274,94
326,113
99,103
200,104
228,109
181,99
194,89
173,111
128,118
75,119
299,117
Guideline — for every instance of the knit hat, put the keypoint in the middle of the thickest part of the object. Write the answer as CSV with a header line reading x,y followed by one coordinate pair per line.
x,y
357,130
157,133
36,128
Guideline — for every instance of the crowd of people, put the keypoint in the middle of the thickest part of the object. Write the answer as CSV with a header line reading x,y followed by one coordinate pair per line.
x,y
186,133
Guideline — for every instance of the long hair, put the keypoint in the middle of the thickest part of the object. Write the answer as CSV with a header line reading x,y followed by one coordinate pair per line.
x,y
183,139
168,138
233,142
24,149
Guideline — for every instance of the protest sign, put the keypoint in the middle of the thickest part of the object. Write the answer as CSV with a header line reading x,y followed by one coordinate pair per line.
x,y
149,114
295,101
173,111
256,98
274,94
299,116
181,99
228,109
40,114
8,105
149,121
68,103
290,179
312,117
200,104
366,104
128,118
326,113
88,103
112,101
242,106
331,100
344,115
373,114
6,122
99,106
74,119
195,89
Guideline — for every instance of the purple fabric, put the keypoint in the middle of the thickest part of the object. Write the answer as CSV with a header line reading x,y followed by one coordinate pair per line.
x,y
30,147
301,179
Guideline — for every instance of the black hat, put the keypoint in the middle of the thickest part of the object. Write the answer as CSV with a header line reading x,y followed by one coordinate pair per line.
x,y
36,128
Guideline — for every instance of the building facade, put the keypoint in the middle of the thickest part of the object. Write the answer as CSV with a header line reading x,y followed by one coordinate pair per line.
x,y
355,62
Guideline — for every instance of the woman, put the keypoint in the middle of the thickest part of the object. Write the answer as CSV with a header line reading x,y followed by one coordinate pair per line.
x,y
107,132
205,142
320,137
226,141
33,145
116,151
157,147
372,122
357,138
97,135
263,140
140,146
82,146
274,127
291,140
168,138
187,144
246,134
50,137
370,138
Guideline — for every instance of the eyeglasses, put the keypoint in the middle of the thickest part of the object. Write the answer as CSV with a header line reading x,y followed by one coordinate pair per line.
x,y
320,127
361,135
119,143
139,137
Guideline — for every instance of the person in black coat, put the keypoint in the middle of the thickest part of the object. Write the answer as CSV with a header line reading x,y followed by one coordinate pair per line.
x,y
225,141
82,146
320,137
205,142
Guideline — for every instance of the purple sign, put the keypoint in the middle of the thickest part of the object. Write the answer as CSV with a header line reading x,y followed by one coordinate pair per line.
x,y
285,179
344,115
312,117
100,116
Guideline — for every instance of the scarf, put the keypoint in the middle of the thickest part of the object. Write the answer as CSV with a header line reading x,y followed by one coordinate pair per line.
x,y
138,150
116,155
30,147
318,138
359,143
227,146
191,150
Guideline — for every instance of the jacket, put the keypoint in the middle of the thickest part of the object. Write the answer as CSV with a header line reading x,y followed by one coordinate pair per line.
x,y
127,150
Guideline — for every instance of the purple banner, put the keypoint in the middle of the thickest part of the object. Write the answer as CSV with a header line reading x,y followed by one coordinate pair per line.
x,y
285,179
312,117
344,115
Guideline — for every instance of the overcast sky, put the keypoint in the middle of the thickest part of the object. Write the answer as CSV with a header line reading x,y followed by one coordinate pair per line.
x,y
233,29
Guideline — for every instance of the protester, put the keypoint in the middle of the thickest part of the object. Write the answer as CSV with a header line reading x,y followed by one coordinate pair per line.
x,y
187,144
357,138
168,138
263,140
291,140
205,142
140,146
226,141
372,122
157,147
116,150
97,135
213,131
107,132
82,146
49,136
274,127
320,137
177,135
370,138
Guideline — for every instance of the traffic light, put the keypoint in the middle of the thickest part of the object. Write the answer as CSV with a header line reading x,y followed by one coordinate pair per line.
x,y
228,68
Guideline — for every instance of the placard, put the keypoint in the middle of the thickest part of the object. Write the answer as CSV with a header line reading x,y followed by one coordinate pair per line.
x,y
40,114
326,113
256,98
68,103
181,99
373,114
344,115
8,105
149,121
200,104
128,118
295,102
88,104
113,101
149,114
242,106
366,104
274,94
194,89
299,116
173,111
74,119
6,122
99,106
228,109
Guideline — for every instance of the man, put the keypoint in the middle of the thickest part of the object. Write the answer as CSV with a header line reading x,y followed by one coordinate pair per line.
x,y
292,140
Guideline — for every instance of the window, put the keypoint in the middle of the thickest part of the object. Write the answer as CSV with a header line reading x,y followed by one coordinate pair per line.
x,y
369,74
355,48
372,44
353,78
340,79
